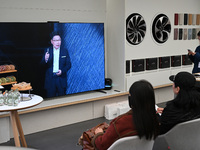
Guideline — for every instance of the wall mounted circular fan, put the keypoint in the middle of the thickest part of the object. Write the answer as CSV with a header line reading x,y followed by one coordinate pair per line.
x,y
135,29
161,28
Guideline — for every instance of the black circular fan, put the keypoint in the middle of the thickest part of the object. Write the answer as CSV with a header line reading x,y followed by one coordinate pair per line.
x,y
161,28
135,29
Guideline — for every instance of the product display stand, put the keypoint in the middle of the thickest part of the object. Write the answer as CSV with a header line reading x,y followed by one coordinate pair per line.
x,y
27,97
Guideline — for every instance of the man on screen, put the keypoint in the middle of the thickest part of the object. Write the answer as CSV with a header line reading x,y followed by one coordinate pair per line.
x,y
57,62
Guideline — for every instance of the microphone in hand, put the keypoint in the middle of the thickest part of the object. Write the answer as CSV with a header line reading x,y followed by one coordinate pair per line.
x,y
47,55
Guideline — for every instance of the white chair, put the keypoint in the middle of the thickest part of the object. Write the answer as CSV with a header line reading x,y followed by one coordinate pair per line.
x,y
132,143
183,136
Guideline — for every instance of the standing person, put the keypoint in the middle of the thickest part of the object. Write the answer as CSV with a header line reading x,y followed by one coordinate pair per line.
x,y
141,120
57,62
195,57
186,104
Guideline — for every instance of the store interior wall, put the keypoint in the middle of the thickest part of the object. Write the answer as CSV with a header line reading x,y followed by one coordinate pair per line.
x,y
116,50
118,12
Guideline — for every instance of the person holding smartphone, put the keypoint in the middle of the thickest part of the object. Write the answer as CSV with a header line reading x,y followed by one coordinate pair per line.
x,y
195,57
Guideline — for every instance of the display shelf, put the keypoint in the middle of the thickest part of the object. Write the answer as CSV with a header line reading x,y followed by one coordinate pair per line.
x,y
10,71
9,83
24,89
4,72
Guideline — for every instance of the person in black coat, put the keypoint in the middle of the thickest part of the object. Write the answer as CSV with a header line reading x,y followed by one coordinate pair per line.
x,y
57,62
186,104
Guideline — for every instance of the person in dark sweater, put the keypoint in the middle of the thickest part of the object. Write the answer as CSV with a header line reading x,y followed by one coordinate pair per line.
x,y
186,104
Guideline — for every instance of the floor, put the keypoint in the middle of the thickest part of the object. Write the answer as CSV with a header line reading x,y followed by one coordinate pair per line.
x,y
62,138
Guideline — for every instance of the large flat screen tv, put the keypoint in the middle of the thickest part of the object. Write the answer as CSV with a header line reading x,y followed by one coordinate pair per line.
x,y
26,44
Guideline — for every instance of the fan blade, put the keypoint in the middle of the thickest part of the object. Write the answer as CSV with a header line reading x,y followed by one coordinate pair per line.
x,y
142,28
158,23
139,38
134,21
131,36
165,36
141,23
130,24
167,28
135,39
129,30
164,21
158,34
142,33
138,20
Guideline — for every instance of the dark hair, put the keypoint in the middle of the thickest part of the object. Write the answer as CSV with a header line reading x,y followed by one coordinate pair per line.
x,y
198,34
54,33
187,99
143,107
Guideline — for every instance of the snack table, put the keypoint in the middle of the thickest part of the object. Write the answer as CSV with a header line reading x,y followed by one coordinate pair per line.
x,y
14,116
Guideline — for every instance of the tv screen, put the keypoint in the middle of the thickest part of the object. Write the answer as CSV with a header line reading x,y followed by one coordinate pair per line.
x,y
56,58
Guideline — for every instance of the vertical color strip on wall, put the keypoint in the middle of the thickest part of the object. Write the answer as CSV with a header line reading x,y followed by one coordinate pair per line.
x,y
180,34
194,19
189,34
194,33
189,19
185,19
175,33
175,19
180,19
185,34
198,19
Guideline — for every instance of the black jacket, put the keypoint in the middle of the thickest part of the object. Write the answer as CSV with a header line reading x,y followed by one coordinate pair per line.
x,y
64,66
173,115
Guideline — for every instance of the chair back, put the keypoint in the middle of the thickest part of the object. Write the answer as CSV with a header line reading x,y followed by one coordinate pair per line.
x,y
183,136
132,143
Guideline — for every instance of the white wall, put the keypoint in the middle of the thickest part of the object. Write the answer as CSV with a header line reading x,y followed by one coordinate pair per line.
x,y
121,50
49,10
115,36
148,48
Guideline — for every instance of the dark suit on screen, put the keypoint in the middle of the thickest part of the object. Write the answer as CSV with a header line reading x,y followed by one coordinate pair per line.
x,y
56,85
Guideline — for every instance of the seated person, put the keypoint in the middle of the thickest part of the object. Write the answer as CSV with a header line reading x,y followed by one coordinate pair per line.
x,y
186,104
141,120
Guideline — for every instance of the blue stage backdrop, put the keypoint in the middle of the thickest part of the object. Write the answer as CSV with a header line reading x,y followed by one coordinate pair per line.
x,y
85,44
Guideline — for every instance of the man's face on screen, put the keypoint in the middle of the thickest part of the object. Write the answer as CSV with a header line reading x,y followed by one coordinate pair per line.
x,y
56,41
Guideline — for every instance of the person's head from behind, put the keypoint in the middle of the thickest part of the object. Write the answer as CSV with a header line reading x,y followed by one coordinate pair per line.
x,y
182,81
198,35
55,39
184,87
142,102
